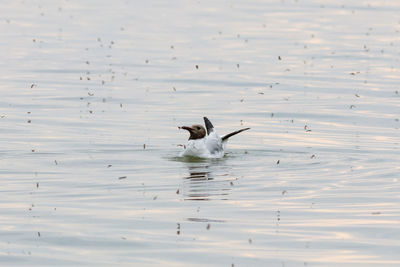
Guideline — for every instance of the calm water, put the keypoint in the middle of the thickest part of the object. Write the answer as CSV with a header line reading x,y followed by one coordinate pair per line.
x,y
92,94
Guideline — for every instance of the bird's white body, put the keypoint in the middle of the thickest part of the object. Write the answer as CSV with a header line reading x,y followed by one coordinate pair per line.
x,y
211,146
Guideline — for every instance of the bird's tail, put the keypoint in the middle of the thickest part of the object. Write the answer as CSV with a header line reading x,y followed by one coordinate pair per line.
x,y
225,137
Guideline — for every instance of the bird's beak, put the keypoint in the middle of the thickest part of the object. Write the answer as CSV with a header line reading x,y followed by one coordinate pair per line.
x,y
190,129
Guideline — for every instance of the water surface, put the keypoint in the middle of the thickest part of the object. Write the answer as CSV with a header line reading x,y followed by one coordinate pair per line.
x,y
93,93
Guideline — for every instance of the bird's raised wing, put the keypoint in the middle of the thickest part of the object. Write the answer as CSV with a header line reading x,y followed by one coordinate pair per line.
x,y
225,137
209,125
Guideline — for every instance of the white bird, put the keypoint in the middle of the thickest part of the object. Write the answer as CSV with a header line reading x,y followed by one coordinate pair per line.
x,y
203,145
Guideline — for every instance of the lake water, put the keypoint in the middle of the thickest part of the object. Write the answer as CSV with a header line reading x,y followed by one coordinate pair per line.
x,y
93,92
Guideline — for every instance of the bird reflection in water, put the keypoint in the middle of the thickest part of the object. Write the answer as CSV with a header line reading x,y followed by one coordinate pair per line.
x,y
201,184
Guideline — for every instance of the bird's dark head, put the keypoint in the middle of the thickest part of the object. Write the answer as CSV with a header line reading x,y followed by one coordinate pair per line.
x,y
196,131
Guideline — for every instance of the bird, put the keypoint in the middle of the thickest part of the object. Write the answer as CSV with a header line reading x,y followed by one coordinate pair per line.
x,y
205,142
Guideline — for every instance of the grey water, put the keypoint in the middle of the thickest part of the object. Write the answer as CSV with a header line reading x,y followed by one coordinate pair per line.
x,y
93,92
